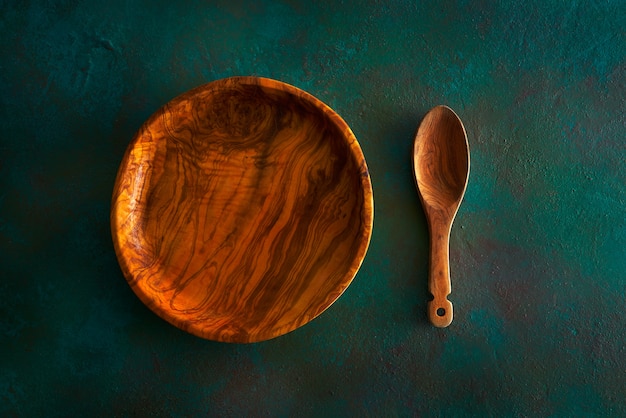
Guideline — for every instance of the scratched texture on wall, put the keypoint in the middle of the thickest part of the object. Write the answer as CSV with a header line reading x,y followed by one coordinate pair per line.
x,y
538,258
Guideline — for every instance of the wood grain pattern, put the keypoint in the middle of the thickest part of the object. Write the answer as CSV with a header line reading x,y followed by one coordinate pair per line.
x,y
441,164
242,210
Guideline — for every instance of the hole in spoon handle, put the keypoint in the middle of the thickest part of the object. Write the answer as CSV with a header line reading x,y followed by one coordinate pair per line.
x,y
440,312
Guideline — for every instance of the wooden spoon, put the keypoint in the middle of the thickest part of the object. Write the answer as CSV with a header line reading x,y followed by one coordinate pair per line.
x,y
441,164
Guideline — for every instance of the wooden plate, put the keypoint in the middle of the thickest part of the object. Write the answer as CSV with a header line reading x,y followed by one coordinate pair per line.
x,y
242,210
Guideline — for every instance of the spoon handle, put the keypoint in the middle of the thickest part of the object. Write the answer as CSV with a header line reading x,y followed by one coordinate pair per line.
x,y
440,308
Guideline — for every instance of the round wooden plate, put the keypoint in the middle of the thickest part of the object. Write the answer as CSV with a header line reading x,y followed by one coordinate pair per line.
x,y
242,210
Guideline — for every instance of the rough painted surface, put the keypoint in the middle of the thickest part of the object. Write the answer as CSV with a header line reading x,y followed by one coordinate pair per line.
x,y
538,250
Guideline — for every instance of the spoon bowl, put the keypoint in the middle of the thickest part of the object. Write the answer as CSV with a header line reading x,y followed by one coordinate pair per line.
x,y
441,166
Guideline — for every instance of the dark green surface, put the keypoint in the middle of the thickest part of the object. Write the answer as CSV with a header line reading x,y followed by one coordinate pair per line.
x,y
538,250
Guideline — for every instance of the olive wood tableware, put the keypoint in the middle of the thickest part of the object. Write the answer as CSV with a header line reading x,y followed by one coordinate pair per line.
x,y
242,210
441,163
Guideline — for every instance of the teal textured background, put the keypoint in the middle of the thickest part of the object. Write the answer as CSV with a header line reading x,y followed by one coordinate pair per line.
x,y
538,256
